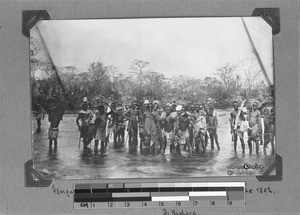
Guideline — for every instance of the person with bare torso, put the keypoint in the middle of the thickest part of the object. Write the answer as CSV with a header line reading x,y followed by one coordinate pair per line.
x,y
253,131
151,133
212,125
119,125
182,132
269,126
132,115
101,123
167,122
83,121
235,119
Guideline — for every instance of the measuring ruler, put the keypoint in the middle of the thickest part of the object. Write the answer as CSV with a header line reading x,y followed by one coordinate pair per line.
x,y
153,195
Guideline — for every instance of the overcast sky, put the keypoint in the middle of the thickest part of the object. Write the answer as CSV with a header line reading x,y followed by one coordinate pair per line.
x,y
174,46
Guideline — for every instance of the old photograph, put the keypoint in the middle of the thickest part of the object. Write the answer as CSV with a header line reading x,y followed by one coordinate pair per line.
x,y
152,97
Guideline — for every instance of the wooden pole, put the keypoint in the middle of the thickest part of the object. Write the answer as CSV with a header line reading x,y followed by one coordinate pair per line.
x,y
256,54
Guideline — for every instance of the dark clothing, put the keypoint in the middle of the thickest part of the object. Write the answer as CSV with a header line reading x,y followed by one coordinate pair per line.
x,y
86,131
55,114
168,123
183,122
88,104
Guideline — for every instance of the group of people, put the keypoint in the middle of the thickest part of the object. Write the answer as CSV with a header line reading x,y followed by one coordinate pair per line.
x,y
258,122
154,127
150,124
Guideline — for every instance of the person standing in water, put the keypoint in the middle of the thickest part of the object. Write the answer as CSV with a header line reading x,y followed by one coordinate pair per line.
x,y
101,114
55,113
236,118
254,123
168,126
83,123
39,113
212,125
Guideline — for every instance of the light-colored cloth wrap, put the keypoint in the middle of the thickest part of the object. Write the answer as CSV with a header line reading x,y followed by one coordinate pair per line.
x,y
169,136
200,126
183,135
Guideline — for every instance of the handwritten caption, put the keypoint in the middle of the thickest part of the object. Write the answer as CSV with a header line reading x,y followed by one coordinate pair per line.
x,y
179,212
258,190
61,192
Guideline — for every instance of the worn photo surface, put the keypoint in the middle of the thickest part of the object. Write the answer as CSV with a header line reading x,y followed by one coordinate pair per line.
x,y
152,98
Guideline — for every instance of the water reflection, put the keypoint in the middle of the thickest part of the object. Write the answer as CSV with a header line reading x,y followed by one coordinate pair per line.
x,y
52,154
70,162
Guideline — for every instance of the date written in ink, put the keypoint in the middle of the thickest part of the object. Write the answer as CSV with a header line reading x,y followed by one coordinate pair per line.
x,y
260,190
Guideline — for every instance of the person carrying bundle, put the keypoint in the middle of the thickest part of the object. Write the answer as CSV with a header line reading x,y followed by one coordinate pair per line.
x,y
200,129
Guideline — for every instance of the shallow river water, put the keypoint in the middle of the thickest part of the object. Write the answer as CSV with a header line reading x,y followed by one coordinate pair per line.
x,y
71,162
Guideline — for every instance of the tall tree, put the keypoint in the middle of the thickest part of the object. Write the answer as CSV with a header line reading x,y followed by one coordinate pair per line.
x,y
100,80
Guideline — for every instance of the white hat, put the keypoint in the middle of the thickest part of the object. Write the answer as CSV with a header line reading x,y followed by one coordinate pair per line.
x,y
178,108
146,102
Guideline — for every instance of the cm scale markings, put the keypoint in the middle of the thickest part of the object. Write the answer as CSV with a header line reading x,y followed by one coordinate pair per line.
x,y
137,195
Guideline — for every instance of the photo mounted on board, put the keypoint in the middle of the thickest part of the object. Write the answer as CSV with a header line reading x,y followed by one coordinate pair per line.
x,y
152,97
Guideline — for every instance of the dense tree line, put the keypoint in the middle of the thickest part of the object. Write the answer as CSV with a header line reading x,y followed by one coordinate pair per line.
x,y
141,83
